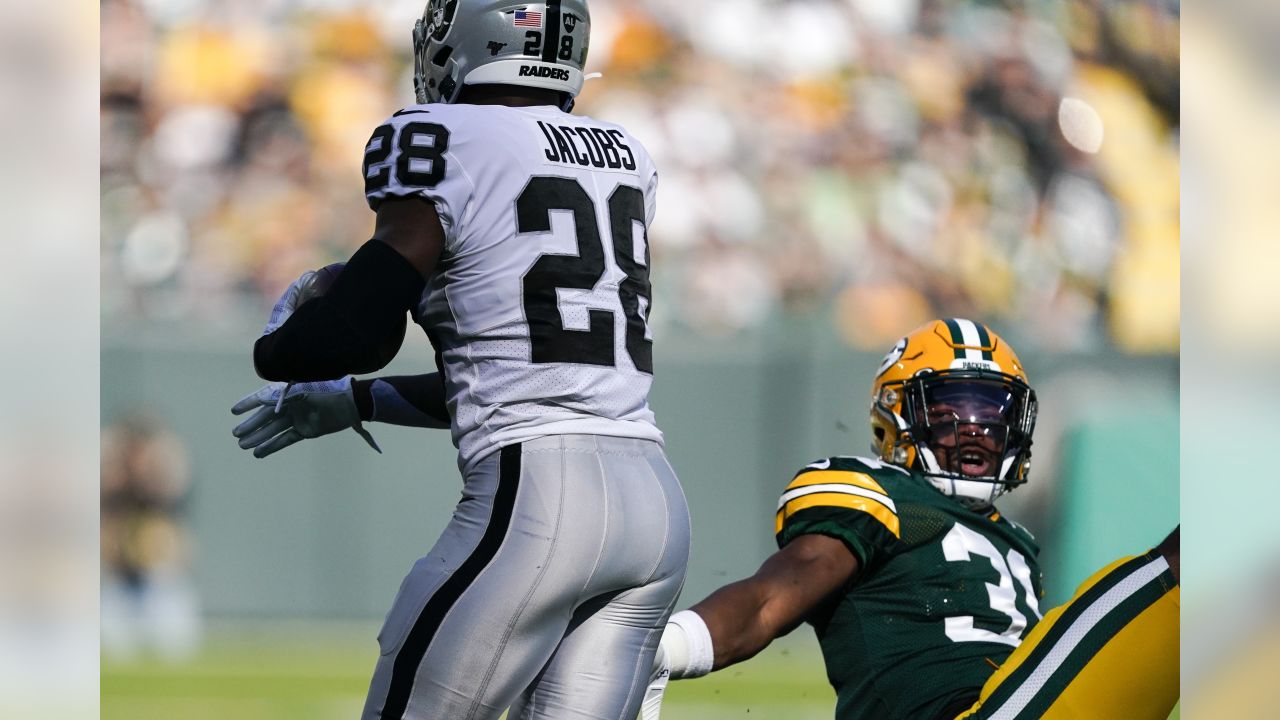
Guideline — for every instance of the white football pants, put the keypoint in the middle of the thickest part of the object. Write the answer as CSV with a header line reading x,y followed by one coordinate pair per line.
x,y
547,592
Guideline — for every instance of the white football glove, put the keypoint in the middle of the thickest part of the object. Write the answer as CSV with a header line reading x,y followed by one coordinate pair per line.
x,y
651,707
288,413
311,284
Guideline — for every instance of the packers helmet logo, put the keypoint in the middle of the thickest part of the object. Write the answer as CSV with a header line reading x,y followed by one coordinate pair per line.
x,y
894,355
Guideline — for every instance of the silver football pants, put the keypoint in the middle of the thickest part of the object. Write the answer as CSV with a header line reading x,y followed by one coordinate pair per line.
x,y
547,592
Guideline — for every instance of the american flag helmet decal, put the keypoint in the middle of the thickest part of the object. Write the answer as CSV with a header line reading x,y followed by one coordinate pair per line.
x,y
527,18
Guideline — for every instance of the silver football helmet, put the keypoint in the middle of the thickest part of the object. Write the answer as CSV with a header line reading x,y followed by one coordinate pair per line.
x,y
475,42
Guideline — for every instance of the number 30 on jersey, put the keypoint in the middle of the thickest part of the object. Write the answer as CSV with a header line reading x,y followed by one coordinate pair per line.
x,y
961,545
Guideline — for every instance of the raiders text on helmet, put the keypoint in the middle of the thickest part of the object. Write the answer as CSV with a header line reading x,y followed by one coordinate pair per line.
x,y
481,42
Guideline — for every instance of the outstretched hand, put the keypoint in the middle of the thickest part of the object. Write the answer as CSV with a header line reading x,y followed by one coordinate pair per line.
x,y
288,413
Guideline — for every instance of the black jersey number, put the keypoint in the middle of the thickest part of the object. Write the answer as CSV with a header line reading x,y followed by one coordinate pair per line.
x,y
549,339
425,142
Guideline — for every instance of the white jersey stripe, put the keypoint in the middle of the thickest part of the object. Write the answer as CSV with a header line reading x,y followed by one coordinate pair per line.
x,y
1074,634
835,488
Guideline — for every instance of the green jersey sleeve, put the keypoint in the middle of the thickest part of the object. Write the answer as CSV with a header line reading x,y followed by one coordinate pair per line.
x,y
844,499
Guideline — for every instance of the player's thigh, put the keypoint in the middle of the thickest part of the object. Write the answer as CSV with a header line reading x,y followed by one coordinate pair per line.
x,y
602,666
548,524
470,628
1110,652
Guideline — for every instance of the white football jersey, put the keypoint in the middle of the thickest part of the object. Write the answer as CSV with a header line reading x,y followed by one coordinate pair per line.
x,y
538,308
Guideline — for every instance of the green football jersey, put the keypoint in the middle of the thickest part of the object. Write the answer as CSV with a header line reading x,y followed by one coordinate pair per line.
x,y
943,595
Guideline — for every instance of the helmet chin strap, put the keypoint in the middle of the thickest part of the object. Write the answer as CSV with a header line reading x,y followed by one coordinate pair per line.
x,y
930,461
980,500
1007,464
973,494
567,106
933,470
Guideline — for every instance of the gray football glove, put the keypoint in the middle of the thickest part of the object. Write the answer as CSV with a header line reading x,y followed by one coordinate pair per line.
x,y
288,413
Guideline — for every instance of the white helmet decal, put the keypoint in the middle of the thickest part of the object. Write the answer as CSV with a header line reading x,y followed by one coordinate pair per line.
x,y
894,354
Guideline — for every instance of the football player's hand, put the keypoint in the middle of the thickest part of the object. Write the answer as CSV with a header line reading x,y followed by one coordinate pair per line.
x,y
651,707
289,413
311,284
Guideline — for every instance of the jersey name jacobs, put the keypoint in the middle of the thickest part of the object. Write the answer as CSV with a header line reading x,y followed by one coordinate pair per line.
x,y
587,146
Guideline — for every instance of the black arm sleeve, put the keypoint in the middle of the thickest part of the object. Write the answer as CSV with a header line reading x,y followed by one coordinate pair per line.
x,y
413,400
349,329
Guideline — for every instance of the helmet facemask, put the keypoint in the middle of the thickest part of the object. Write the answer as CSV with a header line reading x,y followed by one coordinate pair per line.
x,y
970,431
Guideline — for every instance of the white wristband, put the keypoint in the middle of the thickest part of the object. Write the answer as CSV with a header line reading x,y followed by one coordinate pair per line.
x,y
687,642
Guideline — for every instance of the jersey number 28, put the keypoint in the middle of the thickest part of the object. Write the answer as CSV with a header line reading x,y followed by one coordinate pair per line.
x,y
421,160
550,341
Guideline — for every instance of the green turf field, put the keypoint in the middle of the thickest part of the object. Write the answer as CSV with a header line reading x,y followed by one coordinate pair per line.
x,y
321,673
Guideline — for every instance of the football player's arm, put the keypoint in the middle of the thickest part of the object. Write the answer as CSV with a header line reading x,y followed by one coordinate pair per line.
x,y
287,414
413,400
742,618
341,332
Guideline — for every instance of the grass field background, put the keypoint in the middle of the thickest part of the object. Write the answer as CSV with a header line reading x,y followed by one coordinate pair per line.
x,y
322,673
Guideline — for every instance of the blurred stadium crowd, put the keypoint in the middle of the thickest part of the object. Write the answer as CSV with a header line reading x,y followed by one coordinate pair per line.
x,y
875,163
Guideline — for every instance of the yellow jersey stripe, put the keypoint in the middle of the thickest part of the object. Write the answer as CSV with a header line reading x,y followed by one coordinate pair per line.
x,y
844,500
822,477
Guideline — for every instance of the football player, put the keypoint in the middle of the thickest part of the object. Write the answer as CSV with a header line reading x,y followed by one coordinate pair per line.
x,y
515,233
925,599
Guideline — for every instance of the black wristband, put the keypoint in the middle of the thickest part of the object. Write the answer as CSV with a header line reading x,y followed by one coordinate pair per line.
x,y
412,400
362,390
